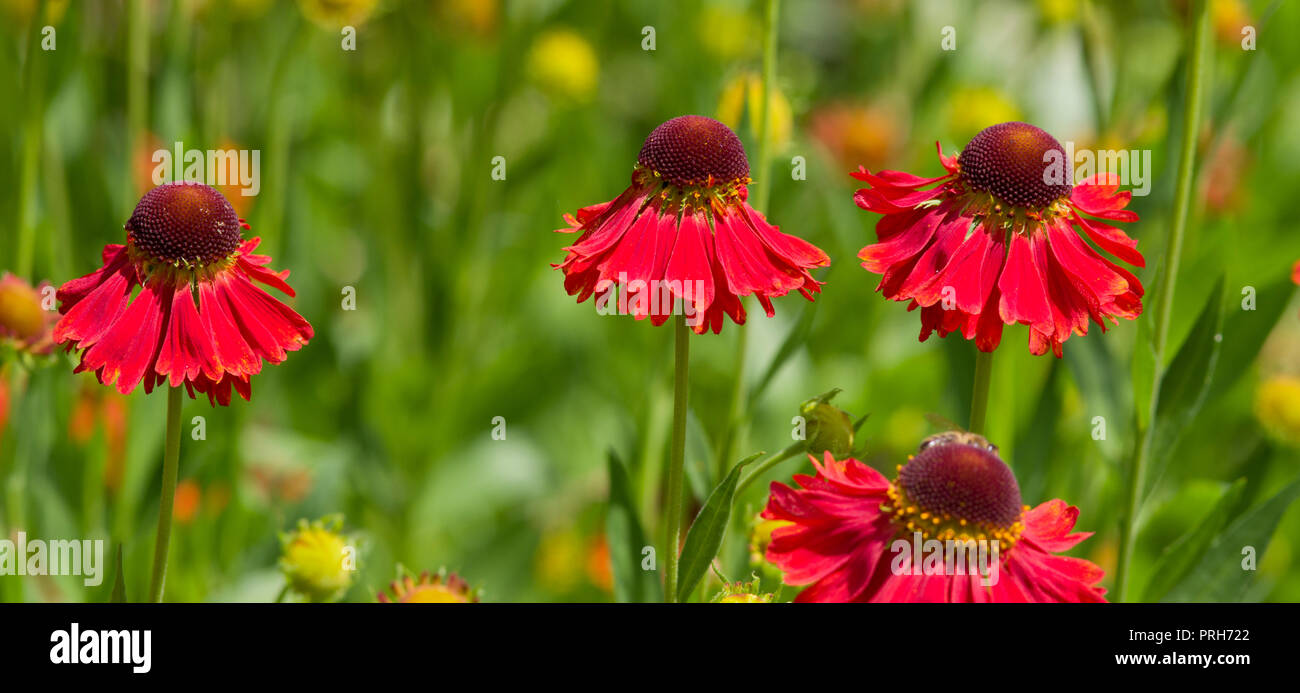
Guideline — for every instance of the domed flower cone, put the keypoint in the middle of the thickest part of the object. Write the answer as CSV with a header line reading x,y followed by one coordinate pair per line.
x,y
849,533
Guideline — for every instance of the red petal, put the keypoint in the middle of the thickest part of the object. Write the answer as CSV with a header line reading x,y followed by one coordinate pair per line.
x,y
1112,240
126,352
186,348
1097,196
231,351
690,267
1024,293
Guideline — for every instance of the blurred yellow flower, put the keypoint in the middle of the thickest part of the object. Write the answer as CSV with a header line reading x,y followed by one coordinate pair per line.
x,y
971,109
558,561
743,97
728,33
1277,405
25,324
1229,17
1058,11
564,65
335,14
316,559
22,11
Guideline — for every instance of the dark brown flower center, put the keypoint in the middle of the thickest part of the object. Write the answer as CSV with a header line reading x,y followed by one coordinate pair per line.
x,y
1011,162
184,224
694,151
962,483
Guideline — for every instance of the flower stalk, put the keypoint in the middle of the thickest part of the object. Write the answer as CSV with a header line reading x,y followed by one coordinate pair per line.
x,y
167,494
1197,47
979,399
772,460
762,190
677,456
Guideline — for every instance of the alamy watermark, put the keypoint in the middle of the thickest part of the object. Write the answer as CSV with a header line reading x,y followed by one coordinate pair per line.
x,y
84,557
1132,167
240,168
922,556
654,297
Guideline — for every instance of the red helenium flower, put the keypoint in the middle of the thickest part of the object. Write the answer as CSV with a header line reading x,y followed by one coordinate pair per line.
x,y
684,230
839,528
183,244
995,242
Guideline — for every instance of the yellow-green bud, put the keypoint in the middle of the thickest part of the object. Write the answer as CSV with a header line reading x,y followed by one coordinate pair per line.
x,y
829,429
317,560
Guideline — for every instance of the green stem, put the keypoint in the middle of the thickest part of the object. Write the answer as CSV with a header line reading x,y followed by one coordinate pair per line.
x,y
137,87
979,399
677,459
771,461
1197,46
284,592
763,186
167,495
33,120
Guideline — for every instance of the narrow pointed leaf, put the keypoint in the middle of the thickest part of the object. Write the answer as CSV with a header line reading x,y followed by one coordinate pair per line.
x,y
1186,383
706,532
1182,555
1221,575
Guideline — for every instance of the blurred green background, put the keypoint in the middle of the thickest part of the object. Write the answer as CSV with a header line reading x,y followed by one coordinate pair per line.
x,y
376,174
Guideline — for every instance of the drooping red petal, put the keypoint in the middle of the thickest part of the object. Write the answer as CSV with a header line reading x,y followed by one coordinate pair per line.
x,y
231,351
689,272
127,350
1097,196
186,347
87,316
637,263
902,237
793,250
750,268
1112,240
1024,293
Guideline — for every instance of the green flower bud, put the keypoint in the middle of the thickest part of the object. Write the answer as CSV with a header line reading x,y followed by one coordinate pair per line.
x,y
829,429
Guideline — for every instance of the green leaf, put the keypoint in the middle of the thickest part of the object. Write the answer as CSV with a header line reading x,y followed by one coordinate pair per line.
x,y
706,532
794,340
698,464
1186,383
119,583
1033,447
1220,576
626,540
1144,368
1181,556
1244,332
1092,366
